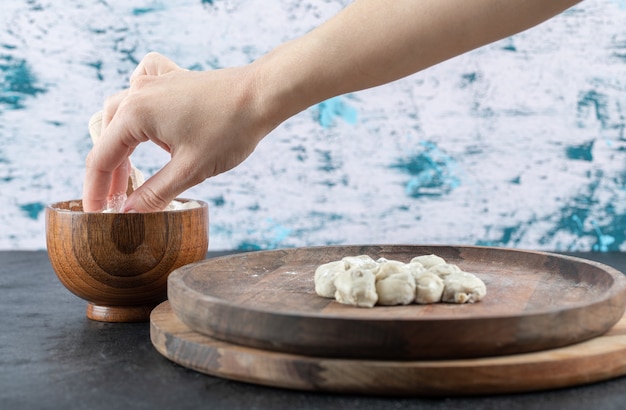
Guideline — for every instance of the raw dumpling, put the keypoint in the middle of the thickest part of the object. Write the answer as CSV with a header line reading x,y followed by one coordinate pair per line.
x,y
364,282
325,278
429,288
396,289
356,287
444,270
387,268
361,261
463,287
429,261
416,268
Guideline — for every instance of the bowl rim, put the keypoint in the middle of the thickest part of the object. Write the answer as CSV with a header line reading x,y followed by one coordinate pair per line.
x,y
52,208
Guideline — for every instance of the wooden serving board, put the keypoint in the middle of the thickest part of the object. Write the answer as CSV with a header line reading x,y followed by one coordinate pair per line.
x,y
266,300
601,358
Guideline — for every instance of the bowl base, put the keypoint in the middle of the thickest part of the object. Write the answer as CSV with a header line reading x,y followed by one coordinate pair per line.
x,y
119,314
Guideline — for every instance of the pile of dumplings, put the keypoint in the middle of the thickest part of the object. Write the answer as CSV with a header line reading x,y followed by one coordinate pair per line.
x,y
364,282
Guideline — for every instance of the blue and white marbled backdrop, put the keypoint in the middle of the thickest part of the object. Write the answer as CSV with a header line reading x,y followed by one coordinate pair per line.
x,y
520,143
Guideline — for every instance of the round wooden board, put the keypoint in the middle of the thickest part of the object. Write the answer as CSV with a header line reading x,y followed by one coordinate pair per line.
x,y
601,358
266,300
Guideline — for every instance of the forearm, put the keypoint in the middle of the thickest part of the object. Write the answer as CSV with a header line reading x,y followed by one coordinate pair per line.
x,y
373,42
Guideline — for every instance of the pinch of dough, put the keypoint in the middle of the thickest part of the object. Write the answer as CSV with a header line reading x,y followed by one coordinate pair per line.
x,y
396,289
361,261
463,287
429,261
356,287
428,288
325,276
444,270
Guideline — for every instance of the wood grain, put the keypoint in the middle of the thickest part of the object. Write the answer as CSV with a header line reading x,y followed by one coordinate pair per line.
x,y
600,358
266,300
120,262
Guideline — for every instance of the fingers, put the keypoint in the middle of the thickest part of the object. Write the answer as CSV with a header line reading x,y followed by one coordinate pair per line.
x,y
110,107
102,182
154,64
123,124
119,179
108,165
96,186
163,187
94,201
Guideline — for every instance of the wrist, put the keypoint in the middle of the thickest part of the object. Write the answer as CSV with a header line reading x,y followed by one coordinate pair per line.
x,y
288,81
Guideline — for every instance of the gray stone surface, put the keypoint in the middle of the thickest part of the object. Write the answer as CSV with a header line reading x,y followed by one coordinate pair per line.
x,y
53,357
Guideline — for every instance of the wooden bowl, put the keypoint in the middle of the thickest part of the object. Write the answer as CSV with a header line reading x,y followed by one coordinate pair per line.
x,y
120,262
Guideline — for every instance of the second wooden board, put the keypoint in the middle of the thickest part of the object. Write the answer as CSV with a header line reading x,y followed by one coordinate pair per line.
x,y
600,358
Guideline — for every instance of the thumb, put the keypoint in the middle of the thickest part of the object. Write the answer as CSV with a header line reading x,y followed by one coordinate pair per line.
x,y
160,189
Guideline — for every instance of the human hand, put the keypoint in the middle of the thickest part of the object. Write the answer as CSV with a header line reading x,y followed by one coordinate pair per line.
x,y
208,121
211,121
